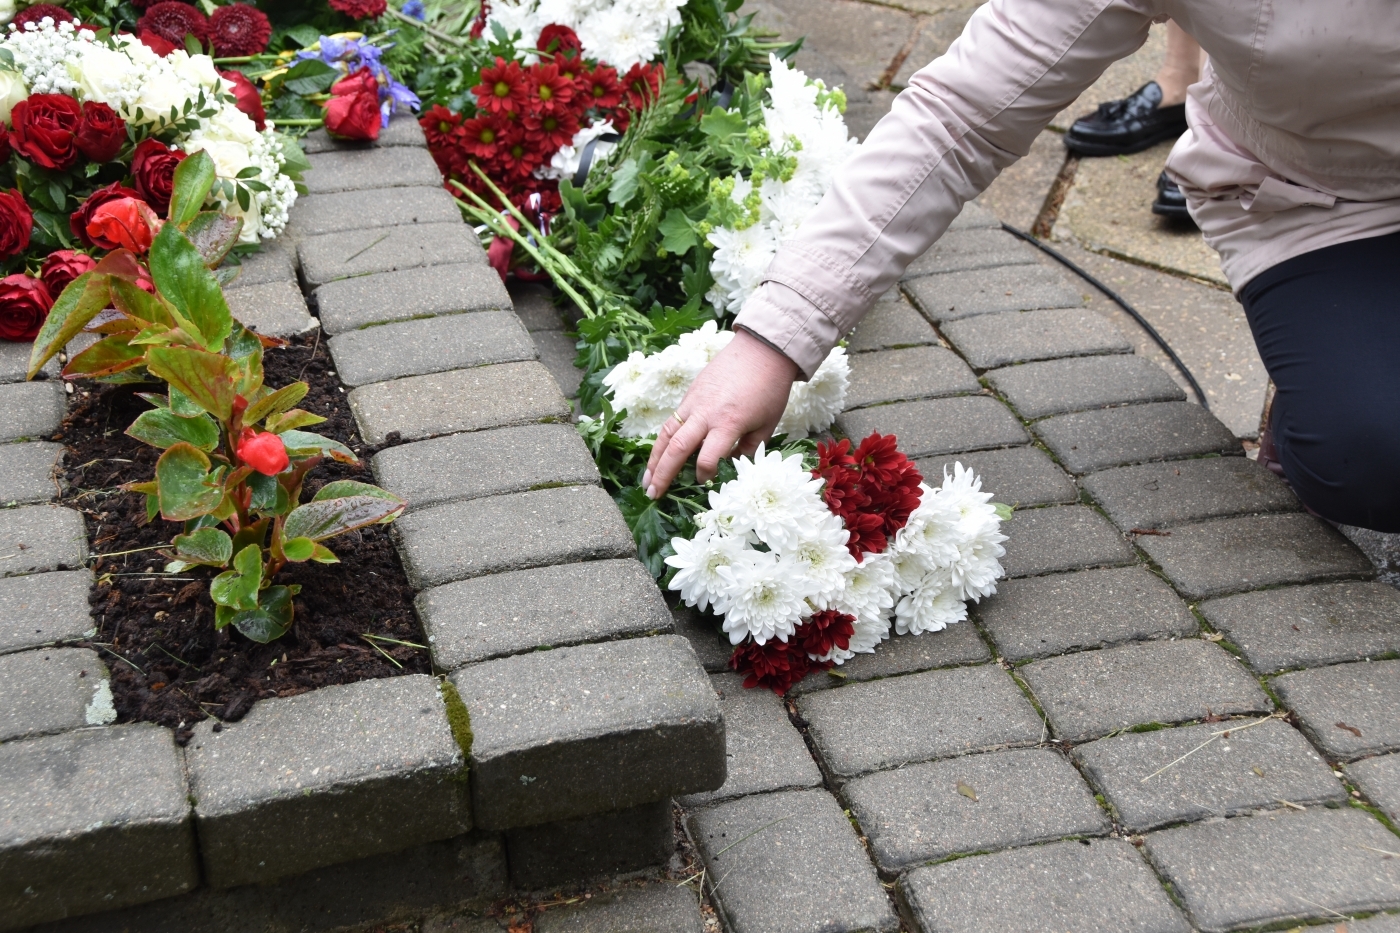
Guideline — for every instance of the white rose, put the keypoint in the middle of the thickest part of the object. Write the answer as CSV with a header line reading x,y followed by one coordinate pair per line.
x,y
104,75
7,13
12,90
232,125
196,69
229,157
159,93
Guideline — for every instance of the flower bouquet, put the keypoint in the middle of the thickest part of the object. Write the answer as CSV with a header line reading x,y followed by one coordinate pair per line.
x,y
810,564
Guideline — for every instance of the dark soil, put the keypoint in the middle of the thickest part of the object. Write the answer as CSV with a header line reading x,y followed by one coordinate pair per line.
x,y
156,632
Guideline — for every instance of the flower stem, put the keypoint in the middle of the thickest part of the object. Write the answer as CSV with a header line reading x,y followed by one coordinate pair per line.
x,y
435,33
309,121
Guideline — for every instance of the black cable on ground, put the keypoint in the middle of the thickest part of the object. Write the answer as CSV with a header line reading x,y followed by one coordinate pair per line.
x,y
1118,300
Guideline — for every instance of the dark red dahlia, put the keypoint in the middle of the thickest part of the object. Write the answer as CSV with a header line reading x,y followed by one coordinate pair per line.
x,y
173,21
600,87
239,29
503,88
550,131
39,10
359,9
642,84
548,90
777,665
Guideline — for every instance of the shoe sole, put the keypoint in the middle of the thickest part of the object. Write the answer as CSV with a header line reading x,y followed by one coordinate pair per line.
x,y
1172,212
1094,150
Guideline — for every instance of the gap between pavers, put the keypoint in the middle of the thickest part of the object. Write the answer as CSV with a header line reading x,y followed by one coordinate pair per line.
x,y
933,427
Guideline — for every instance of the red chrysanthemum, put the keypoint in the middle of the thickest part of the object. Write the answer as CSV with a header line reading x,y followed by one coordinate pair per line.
x,y
825,631
559,40
483,137
621,118
517,157
359,9
642,84
438,123
37,12
600,87
173,21
239,29
572,69
503,88
873,490
548,90
549,131
777,665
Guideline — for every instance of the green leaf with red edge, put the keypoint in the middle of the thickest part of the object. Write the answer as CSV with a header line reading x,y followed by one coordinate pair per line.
x,y
324,555
182,278
271,620
210,380
296,418
112,321
109,355
161,428
275,402
246,349
330,517
120,264
79,303
210,546
238,588
186,488
214,234
139,303
306,444
194,176
349,487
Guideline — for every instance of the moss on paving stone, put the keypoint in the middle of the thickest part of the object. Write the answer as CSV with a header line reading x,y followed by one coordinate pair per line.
x,y
460,721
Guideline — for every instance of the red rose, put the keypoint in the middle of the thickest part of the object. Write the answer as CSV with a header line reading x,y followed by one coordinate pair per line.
x,y
62,267
153,168
563,39
239,29
46,128
16,223
24,304
79,220
247,95
102,133
263,451
353,110
37,12
359,9
155,43
173,21
124,222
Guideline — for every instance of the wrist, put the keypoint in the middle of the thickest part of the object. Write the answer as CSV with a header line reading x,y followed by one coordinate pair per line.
x,y
760,352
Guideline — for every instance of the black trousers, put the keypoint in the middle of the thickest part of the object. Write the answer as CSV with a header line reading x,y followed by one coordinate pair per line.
x,y
1327,324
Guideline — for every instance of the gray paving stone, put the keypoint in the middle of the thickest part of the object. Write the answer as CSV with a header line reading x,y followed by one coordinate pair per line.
x,y
367,170
41,537
1054,387
30,410
974,217
1309,626
274,262
765,751
333,256
931,427
93,820
1379,779
590,846
1067,887
275,309
993,340
1380,923
1093,693
534,304
1233,554
1160,495
340,773
349,304
495,396
924,812
656,908
557,351
913,372
521,610
485,463
710,644
44,609
790,862
1096,440
27,472
887,723
53,690
1043,616
1280,866
1019,476
562,525
595,728
959,250
1067,537
403,130
1153,779
14,361
953,295
431,345
891,323
1331,702
351,210
903,654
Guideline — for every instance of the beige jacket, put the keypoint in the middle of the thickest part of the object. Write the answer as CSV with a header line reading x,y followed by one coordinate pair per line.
x,y
1294,143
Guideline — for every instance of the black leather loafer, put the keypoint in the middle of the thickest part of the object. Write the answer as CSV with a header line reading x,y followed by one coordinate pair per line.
x,y
1120,127
1170,203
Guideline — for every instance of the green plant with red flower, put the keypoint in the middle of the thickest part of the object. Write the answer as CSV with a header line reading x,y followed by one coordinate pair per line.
x,y
235,454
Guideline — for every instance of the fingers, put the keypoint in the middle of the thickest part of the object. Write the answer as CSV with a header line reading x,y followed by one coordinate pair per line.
x,y
663,438
718,443
677,450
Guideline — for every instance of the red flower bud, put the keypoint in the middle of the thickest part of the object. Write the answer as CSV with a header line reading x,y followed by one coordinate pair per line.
x,y
124,222
264,452
353,110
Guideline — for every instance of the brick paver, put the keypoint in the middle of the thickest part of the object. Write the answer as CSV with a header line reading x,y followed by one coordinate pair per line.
x,y
1096,440
351,210
1019,476
958,250
1064,538
953,295
53,690
347,304
892,322
27,472
433,345
1349,709
914,372
903,654
1055,387
41,537
333,256
939,426
42,609
1161,495
585,847
30,410
274,309
993,340
632,910
1379,779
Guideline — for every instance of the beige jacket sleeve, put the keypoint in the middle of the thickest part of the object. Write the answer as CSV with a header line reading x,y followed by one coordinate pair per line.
x,y
964,118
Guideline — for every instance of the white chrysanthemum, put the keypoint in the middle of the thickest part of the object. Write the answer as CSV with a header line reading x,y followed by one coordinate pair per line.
x,y
620,37
771,496
933,531
707,341
621,33
933,604
813,405
697,562
565,163
740,259
868,634
822,556
763,598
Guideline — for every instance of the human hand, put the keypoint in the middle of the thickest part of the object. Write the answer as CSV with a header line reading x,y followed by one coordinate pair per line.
x,y
738,399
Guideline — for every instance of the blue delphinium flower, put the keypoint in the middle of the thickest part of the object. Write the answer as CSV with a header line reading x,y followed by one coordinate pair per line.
x,y
415,9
